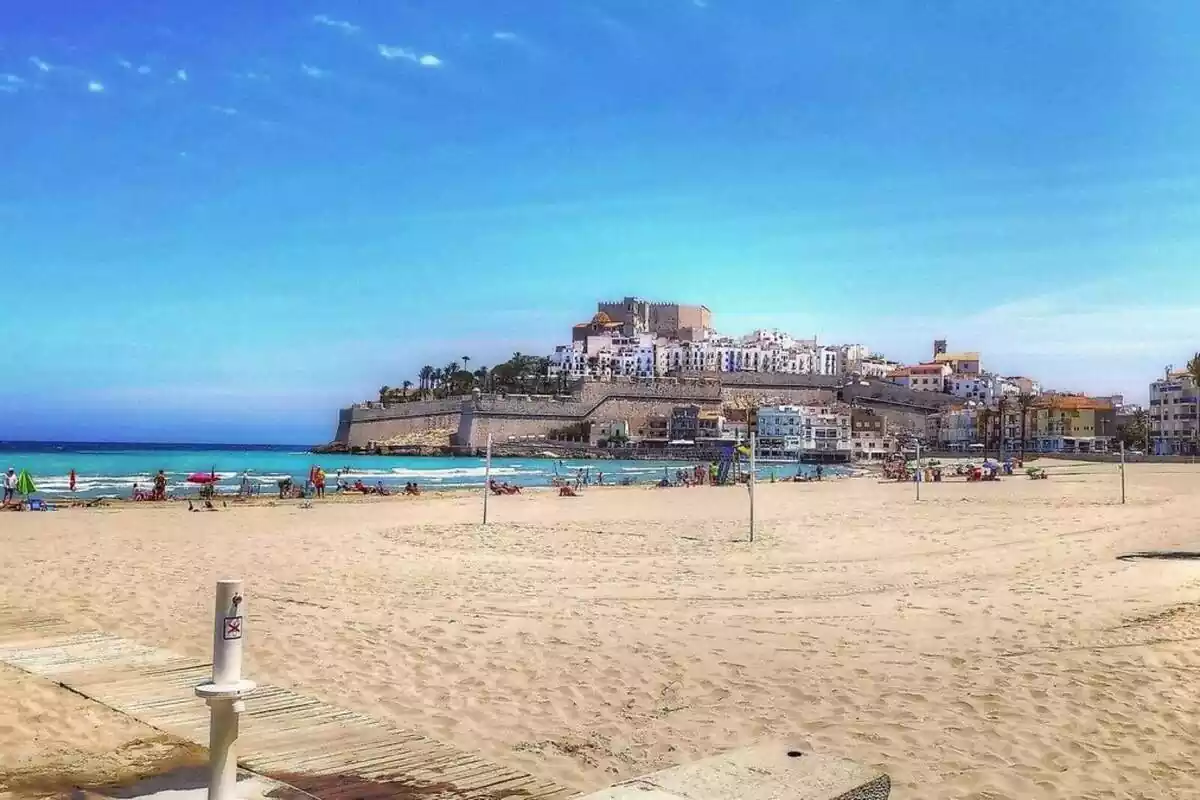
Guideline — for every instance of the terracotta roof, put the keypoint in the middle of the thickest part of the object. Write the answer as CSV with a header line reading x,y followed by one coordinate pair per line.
x,y
1073,402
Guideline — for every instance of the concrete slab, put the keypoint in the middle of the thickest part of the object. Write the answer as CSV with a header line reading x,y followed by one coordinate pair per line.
x,y
189,784
768,771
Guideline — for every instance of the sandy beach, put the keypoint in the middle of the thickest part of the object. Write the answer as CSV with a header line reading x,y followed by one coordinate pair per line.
x,y
983,643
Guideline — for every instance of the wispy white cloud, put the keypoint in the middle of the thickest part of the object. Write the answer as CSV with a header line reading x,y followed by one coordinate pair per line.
x,y
505,36
226,110
95,87
124,63
314,72
391,53
8,79
340,24
181,75
40,64
700,3
143,70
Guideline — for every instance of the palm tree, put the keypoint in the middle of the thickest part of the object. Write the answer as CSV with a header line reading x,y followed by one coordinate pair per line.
x,y
1025,402
983,427
1001,407
450,376
435,381
938,422
406,386
465,359
426,376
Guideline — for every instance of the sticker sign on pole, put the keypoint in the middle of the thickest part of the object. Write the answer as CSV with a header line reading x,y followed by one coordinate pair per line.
x,y
233,628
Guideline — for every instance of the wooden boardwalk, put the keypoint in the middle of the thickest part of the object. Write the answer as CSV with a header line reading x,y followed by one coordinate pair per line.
x,y
323,750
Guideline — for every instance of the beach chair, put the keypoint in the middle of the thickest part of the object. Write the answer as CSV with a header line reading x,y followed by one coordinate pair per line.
x,y
37,504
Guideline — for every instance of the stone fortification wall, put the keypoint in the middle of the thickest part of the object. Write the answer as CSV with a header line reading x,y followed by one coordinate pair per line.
x,y
514,417
772,395
764,380
374,422
509,417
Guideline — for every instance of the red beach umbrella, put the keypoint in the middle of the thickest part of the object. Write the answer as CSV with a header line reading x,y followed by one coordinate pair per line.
x,y
202,477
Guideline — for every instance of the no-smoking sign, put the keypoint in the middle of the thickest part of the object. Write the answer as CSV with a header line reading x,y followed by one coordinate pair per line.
x,y
233,628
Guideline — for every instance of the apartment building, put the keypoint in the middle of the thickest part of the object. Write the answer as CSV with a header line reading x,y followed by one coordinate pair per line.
x,y
869,439
1068,423
1174,426
790,431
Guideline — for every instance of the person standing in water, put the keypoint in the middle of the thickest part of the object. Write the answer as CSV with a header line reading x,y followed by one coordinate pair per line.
x,y
71,481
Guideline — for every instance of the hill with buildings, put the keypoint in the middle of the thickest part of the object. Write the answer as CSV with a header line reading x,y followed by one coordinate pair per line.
x,y
654,377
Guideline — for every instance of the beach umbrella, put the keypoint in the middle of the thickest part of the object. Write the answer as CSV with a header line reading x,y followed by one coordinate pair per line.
x,y
25,483
202,477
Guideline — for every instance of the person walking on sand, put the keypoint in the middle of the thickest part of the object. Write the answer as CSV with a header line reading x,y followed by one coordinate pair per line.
x,y
10,485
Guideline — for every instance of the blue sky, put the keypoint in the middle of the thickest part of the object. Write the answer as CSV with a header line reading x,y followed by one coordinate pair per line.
x,y
223,221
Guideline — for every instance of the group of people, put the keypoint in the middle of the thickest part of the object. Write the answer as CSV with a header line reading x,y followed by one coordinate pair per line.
x,y
158,490
503,488
410,488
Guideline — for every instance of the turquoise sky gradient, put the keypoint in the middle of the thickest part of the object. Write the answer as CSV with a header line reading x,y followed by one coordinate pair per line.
x,y
221,222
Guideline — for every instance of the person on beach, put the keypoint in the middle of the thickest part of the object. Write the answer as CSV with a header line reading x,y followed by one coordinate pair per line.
x,y
10,485
319,481
160,486
71,481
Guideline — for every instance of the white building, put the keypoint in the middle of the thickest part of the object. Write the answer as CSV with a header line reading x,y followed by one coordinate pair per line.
x,y
601,351
922,377
954,429
982,387
602,357
793,431
1173,408
875,366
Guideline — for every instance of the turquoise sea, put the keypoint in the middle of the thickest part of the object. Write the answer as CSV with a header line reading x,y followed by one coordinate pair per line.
x,y
111,470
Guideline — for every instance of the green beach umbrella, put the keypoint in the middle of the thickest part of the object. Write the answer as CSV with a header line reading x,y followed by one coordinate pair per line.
x,y
25,483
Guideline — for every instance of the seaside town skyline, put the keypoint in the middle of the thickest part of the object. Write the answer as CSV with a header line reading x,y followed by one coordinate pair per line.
x,y
864,404
253,217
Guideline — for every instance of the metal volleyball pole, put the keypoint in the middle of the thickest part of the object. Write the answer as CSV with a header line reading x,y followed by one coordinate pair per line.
x,y
487,477
750,483
1122,473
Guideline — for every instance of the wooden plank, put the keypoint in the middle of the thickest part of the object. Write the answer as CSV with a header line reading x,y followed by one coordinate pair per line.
x,y
282,731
